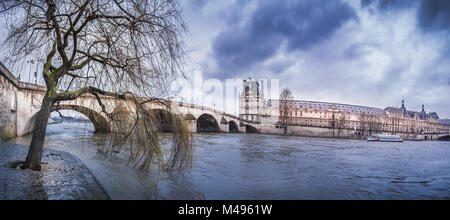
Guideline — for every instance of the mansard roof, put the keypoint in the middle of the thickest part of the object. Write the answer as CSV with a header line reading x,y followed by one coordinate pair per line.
x,y
314,105
433,115
411,114
408,113
444,121
393,109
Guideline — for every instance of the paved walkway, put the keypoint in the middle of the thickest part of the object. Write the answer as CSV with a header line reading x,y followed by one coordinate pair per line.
x,y
66,177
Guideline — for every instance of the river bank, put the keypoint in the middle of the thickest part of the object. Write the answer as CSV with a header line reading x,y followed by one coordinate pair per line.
x,y
64,177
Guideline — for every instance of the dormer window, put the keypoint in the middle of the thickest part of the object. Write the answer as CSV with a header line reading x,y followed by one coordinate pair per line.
x,y
247,90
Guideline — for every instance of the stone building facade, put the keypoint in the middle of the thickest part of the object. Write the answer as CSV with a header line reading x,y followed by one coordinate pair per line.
x,y
313,118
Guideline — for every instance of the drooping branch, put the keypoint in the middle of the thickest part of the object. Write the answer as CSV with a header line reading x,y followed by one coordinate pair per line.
x,y
129,50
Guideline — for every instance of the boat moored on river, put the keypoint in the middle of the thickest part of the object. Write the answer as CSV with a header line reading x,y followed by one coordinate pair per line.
x,y
385,138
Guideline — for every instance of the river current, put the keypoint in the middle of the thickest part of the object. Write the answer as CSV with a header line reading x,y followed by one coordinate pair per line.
x,y
256,166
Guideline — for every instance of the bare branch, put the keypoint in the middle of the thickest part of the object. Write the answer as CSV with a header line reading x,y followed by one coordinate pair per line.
x,y
130,50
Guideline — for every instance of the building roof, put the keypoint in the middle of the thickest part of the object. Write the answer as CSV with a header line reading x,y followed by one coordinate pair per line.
x,y
327,105
251,87
433,115
315,105
444,121
411,114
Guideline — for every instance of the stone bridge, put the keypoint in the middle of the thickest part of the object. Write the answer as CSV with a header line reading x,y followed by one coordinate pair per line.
x,y
444,137
20,102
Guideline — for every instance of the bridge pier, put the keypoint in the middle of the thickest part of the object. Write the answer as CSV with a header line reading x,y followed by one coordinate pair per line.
x,y
223,128
242,128
28,105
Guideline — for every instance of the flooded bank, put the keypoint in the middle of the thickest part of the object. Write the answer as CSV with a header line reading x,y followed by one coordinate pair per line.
x,y
64,177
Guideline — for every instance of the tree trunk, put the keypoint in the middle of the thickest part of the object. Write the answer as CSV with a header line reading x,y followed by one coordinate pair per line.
x,y
35,151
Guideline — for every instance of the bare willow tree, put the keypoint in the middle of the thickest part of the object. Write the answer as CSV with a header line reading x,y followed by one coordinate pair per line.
x,y
125,49
285,100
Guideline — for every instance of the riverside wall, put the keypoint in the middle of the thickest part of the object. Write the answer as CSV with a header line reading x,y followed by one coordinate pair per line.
x,y
323,132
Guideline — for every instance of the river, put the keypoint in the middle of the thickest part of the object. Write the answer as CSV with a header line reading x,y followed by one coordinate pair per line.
x,y
255,166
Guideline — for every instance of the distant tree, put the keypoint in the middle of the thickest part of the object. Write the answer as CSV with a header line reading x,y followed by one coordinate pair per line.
x,y
372,123
363,121
125,49
286,98
341,123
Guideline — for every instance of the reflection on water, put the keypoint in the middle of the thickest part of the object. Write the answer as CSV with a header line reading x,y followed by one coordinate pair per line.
x,y
252,166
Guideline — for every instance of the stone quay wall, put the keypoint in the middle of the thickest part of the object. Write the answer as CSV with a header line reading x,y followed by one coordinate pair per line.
x,y
8,104
324,132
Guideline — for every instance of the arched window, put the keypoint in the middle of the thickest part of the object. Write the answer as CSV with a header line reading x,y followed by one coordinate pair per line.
x,y
247,90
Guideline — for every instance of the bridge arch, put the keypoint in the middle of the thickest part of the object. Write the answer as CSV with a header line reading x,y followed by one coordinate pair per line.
x,y
100,123
207,123
164,118
233,127
251,129
444,138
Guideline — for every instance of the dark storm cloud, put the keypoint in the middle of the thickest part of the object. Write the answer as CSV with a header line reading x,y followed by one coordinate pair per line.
x,y
433,15
388,4
198,4
299,24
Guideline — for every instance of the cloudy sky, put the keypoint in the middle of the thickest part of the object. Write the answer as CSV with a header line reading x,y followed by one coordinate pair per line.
x,y
361,52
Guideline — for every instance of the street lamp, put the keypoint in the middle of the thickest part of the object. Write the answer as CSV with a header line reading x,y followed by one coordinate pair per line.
x,y
29,70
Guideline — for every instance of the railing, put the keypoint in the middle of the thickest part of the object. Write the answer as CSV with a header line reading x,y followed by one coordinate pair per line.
x,y
182,104
19,84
